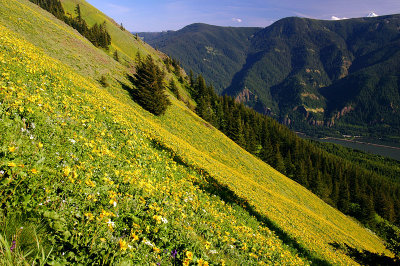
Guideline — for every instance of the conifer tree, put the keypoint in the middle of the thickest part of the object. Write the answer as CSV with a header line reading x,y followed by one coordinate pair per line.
x,y
116,56
78,12
173,88
279,164
150,91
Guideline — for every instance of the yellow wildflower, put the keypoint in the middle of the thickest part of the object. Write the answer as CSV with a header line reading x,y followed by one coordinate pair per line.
x,y
11,149
113,202
202,262
90,183
122,245
134,236
34,171
11,164
253,255
157,218
40,145
66,171
89,216
189,255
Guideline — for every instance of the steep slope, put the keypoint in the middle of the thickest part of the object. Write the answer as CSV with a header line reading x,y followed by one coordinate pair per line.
x,y
102,173
320,71
341,74
122,41
216,52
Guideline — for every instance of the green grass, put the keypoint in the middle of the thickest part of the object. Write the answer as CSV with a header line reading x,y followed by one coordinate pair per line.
x,y
92,147
123,41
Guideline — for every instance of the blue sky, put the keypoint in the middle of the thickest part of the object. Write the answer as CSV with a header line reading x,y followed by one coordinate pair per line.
x,y
159,15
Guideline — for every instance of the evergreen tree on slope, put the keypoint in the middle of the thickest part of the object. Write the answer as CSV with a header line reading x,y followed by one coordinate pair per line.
x,y
150,90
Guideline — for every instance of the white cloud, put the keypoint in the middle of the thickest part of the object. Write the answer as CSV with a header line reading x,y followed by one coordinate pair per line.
x,y
337,18
238,20
372,14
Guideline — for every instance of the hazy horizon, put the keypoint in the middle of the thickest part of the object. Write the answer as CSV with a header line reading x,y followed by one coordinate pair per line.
x,y
157,15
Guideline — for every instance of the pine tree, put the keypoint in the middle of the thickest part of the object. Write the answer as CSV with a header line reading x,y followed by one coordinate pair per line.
x,y
116,56
173,88
150,91
78,12
279,164
138,58
191,78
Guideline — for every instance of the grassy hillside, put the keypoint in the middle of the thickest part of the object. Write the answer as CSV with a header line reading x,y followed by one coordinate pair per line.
x,y
99,178
122,41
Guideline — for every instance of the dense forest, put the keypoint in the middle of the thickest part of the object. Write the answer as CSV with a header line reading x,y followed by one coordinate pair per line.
x,y
353,188
318,77
97,34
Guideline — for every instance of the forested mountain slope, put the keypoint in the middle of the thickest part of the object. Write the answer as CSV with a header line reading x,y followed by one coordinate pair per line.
x,y
95,178
216,52
339,74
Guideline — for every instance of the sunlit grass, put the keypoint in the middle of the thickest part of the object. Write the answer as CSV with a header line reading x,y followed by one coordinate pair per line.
x,y
105,175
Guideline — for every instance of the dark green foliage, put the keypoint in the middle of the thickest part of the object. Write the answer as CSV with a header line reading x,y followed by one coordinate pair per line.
x,y
97,34
52,6
150,91
355,185
103,81
173,88
296,66
366,257
116,56
78,12
215,52
173,66
138,57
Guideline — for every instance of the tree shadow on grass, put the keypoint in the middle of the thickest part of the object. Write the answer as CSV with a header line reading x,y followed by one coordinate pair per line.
x,y
213,187
365,257
130,87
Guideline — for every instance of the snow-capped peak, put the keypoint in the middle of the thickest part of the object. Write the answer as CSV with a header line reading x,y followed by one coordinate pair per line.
x,y
372,15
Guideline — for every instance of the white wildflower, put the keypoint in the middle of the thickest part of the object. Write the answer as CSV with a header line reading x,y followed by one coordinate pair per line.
x,y
110,223
147,242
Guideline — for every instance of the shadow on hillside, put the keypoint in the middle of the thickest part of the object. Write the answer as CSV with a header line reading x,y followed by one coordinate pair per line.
x,y
213,187
129,88
365,257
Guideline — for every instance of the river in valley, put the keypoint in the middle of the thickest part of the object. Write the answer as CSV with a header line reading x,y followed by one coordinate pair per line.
x,y
386,150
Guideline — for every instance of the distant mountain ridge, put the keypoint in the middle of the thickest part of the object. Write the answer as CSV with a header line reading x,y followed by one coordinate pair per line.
x,y
215,52
342,74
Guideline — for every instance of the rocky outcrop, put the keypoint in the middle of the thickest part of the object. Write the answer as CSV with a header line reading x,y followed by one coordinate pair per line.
x,y
246,96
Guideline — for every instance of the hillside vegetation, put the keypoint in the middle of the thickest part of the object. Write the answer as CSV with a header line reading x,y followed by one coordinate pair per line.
x,y
320,77
216,52
97,179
